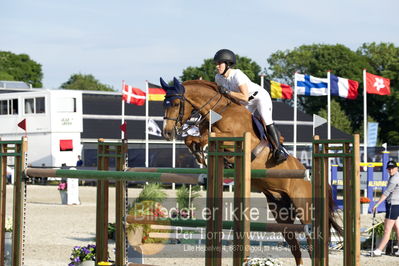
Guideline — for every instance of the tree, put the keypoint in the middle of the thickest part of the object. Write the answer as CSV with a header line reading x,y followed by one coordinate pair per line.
x,y
207,70
338,117
85,82
20,68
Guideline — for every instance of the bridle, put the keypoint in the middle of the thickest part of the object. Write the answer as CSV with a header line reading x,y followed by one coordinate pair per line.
x,y
196,111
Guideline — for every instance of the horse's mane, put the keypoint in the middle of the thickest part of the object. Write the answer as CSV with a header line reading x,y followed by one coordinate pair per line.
x,y
211,85
200,82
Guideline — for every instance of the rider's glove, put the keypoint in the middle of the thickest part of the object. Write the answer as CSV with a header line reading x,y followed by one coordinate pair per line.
x,y
224,90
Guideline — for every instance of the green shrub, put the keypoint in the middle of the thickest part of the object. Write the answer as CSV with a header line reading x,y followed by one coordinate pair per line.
x,y
183,195
152,192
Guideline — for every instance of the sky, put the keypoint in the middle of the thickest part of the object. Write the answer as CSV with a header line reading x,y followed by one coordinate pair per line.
x,y
137,41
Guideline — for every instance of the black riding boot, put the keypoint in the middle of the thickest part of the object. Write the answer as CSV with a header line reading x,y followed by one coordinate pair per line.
x,y
273,135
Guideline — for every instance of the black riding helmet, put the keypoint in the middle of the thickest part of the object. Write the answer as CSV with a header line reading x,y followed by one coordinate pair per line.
x,y
225,56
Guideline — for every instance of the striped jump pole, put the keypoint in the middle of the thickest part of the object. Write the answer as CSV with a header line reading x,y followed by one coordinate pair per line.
x,y
161,175
255,173
115,175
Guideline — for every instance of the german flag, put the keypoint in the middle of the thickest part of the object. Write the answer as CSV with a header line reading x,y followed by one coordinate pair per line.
x,y
278,90
155,92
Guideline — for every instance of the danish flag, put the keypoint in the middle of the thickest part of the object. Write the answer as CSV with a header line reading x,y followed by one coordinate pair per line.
x,y
133,95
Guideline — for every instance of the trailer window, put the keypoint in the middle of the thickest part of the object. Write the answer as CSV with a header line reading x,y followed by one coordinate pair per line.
x,y
40,108
14,106
4,107
29,106
9,107
35,105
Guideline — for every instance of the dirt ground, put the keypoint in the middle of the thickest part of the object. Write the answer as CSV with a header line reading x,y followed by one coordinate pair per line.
x,y
52,229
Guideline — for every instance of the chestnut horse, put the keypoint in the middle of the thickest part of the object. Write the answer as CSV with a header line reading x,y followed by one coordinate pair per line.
x,y
182,101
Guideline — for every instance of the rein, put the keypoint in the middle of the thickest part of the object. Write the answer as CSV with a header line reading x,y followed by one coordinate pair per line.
x,y
179,119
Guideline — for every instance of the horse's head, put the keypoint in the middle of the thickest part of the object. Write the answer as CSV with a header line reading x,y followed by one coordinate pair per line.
x,y
176,111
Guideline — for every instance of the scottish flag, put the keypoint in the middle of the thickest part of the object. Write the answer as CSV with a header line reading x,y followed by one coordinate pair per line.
x,y
310,86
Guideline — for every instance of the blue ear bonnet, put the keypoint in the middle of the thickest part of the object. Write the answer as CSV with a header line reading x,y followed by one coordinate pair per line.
x,y
172,92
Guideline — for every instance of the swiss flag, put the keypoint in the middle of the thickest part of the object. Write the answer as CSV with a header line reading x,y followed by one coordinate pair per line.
x,y
133,95
377,85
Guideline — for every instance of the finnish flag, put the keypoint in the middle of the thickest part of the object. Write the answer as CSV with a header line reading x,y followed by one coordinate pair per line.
x,y
310,86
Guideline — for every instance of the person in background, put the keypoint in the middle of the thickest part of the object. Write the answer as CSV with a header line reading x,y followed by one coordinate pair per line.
x,y
391,198
235,83
10,175
43,180
79,163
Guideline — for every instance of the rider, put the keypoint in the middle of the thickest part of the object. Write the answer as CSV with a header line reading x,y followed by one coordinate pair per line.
x,y
235,83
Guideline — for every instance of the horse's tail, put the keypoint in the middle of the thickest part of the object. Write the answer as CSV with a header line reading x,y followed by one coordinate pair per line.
x,y
332,217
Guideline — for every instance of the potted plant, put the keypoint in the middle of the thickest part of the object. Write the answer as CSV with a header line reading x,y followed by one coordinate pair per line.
x,y
148,203
364,204
184,200
83,256
62,188
378,234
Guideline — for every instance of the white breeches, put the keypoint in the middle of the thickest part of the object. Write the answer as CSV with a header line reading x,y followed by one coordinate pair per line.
x,y
263,103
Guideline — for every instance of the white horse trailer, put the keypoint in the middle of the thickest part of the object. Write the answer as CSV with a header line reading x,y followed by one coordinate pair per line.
x,y
53,124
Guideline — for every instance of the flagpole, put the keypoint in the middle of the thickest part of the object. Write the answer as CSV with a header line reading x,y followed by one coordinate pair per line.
x,y
174,160
295,113
123,111
364,116
262,80
329,121
328,106
146,125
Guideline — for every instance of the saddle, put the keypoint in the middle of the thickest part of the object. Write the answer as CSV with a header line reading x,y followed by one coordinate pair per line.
x,y
260,130
259,127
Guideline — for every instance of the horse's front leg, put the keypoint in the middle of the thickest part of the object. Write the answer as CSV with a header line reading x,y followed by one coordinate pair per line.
x,y
196,146
228,160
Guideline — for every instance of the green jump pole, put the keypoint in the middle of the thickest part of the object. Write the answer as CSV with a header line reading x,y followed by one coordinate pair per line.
x,y
255,173
180,175
114,175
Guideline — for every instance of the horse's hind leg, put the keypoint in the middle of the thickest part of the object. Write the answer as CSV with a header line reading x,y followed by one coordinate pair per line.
x,y
294,246
281,218
302,200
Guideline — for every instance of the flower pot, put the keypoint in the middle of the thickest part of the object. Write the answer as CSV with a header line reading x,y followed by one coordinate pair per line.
x,y
364,208
64,196
88,263
135,236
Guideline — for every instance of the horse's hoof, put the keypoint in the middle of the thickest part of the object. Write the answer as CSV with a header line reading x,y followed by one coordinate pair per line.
x,y
228,165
